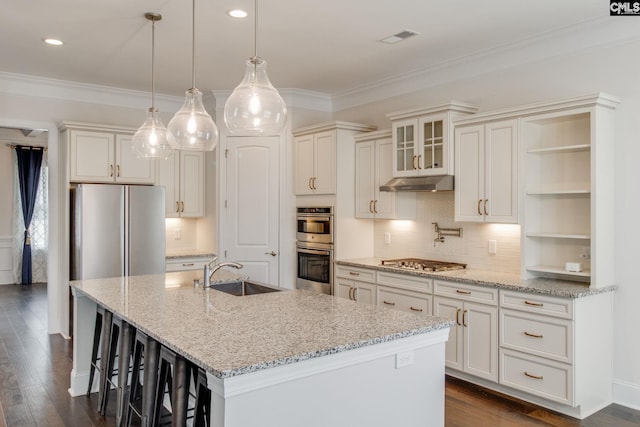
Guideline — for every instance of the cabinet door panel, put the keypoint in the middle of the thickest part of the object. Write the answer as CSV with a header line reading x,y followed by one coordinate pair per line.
x,y
168,176
343,288
501,154
386,200
481,340
192,184
405,141
304,164
365,173
365,293
451,309
469,173
91,156
325,163
129,168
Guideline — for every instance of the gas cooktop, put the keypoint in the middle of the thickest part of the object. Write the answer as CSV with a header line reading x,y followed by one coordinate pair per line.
x,y
422,264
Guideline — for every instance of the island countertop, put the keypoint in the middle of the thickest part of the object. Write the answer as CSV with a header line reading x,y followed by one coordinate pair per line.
x,y
229,335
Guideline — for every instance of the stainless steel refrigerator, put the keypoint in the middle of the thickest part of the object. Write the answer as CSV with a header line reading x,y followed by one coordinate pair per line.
x,y
117,230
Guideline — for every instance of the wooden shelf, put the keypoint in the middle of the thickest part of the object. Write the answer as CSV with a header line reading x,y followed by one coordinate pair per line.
x,y
560,149
549,269
559,235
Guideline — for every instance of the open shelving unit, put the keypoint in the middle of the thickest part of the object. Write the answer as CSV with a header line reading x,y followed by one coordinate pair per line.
x,y
567,157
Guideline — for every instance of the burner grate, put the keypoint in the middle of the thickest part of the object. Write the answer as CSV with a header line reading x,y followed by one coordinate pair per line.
x,y
423,264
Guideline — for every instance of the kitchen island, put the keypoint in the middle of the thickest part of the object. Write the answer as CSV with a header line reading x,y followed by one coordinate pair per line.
x,y
287,358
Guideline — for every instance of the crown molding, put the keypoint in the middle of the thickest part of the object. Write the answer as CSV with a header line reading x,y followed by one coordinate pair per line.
x,y
40,87
599,33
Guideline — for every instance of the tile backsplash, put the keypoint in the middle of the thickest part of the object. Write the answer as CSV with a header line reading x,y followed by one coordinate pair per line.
x,y
415,238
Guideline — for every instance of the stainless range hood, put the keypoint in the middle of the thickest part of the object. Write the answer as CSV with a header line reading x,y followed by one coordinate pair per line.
x,y
420,183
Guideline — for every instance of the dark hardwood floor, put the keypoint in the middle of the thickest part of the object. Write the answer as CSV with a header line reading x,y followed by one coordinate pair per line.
x,y
35,367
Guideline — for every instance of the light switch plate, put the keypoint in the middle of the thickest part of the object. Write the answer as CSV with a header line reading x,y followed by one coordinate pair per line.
x,y
493,246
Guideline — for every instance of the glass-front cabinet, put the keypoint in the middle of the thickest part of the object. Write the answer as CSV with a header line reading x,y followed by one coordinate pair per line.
x,y
423,139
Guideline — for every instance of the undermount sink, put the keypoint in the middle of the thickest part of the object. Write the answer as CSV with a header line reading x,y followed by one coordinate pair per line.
x,y
243,288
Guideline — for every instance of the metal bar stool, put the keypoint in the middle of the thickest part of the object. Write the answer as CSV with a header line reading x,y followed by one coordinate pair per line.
x,y
100,330
120,348
202,415
174,377
141,396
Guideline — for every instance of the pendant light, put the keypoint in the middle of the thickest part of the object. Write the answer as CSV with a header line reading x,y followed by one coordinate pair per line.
x,y
255,107
150,141
192,128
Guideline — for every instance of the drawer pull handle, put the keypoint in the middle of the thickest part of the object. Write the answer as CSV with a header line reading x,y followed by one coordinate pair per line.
x,y
479,202
187,264
535,304
389,303
529,334
351,294
353,273
535,377
458,316
463,292
415,309
464,318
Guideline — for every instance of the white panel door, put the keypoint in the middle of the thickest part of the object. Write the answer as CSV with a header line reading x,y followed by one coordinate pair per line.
x,y
252,206
501,188
451,309
168,176
191,184
385,206
325,163
481,340
91,156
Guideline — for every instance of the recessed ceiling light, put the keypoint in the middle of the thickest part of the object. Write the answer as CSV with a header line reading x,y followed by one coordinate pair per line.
x,y
237,13
402,35
53,42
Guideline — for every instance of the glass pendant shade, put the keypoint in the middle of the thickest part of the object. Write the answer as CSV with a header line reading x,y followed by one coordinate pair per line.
x,y
192,128
255,108
150,141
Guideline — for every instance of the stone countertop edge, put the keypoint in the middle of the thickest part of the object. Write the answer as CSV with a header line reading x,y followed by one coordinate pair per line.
x,y
439,324
140,322
508,281
188,254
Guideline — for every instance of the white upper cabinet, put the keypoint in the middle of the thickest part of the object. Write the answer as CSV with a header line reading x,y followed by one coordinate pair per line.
x,y
182,175
423,139
486,180
374,168
315,155
103,154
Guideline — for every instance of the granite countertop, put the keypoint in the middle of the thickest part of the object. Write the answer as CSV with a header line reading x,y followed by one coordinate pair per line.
x,y
508,281
184,253
229,335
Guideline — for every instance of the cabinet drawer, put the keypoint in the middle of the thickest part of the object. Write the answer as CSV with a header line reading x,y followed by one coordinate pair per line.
x,y
466,292
401,299
535,303
356,273
546,378
185,264
540,335
405,281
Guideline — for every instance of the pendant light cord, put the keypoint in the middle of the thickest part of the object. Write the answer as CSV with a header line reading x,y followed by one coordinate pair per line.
x,y
193,45
153,50
255,29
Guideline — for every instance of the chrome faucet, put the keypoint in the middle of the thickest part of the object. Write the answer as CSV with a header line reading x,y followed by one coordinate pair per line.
x,y
210,269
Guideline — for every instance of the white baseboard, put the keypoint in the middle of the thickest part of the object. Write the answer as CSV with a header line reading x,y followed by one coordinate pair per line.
x,y
626,394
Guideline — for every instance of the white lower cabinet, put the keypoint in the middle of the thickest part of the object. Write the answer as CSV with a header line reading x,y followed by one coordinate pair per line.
x,y
356,284
401,299
473,340
186,264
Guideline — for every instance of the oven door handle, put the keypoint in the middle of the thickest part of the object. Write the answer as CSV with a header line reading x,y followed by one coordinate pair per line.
x,y
314,217
314,251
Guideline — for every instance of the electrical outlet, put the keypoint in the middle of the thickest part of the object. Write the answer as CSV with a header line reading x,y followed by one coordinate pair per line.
x,y
387,237
493,247
177,234
403,359
586,253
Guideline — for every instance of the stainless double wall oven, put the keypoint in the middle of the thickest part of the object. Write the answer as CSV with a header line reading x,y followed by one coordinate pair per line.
x,y
315,249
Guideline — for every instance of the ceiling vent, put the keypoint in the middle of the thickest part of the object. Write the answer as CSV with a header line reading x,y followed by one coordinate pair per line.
x,y
402,35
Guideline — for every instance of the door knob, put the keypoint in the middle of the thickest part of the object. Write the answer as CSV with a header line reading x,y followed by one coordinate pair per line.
x,y
272,253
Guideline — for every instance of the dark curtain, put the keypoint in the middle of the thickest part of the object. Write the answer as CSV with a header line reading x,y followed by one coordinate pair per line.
x,y
29,165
